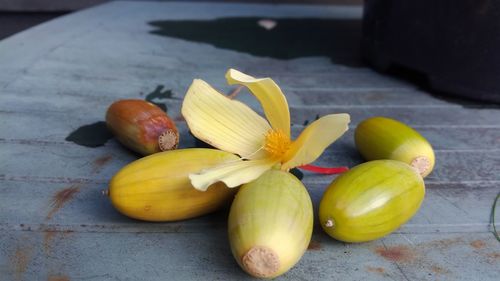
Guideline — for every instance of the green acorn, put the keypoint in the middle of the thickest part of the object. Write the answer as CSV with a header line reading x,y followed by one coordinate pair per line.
x,y
157,187
270,224
385,138
371,200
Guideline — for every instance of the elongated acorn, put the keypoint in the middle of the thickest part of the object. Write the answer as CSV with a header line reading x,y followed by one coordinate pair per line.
x,y
157,187
371,200
270,224
385,138
142,126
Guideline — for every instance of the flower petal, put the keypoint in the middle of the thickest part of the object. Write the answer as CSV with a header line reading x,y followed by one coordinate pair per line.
x,y
232,173
315,139
223,123
271,98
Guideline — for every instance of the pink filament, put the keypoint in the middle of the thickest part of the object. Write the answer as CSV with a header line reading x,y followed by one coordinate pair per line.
x,y
324,170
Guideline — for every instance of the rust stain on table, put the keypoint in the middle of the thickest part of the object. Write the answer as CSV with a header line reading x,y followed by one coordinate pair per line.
x,y
58,278
439,270
47,239
61,198
20,261
379,270
50,234
100,162
478,244
396,253
314,246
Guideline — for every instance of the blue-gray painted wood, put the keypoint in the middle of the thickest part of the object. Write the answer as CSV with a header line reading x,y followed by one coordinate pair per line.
x,y
64,74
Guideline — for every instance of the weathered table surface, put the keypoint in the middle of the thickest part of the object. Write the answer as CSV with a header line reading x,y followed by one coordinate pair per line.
x,y
59,76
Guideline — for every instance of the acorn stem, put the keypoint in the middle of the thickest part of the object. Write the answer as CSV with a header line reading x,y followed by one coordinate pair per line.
x,y
330,223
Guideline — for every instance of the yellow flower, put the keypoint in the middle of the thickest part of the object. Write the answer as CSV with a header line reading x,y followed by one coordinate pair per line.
x,y
262,144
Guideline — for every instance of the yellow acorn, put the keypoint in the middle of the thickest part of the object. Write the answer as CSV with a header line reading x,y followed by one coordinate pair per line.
x,y
157,187
270,224
371,200
385,138
142,126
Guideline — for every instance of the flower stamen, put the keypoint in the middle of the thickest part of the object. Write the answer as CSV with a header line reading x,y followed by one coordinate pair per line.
x,y
276,143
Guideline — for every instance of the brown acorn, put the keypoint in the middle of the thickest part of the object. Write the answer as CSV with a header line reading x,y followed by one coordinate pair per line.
x,y
142,126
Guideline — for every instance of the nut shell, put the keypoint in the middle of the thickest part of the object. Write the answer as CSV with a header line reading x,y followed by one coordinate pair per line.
x,y
142,126
157,187
270,224
371,200
384,138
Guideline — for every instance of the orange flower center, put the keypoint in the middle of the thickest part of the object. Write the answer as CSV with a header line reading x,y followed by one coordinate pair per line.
x,y
276,143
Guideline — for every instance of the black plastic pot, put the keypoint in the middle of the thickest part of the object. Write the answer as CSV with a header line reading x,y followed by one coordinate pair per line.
x,y
455,43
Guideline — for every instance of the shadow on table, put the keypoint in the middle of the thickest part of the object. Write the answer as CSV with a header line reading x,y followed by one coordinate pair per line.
x,y
277,38
421,81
